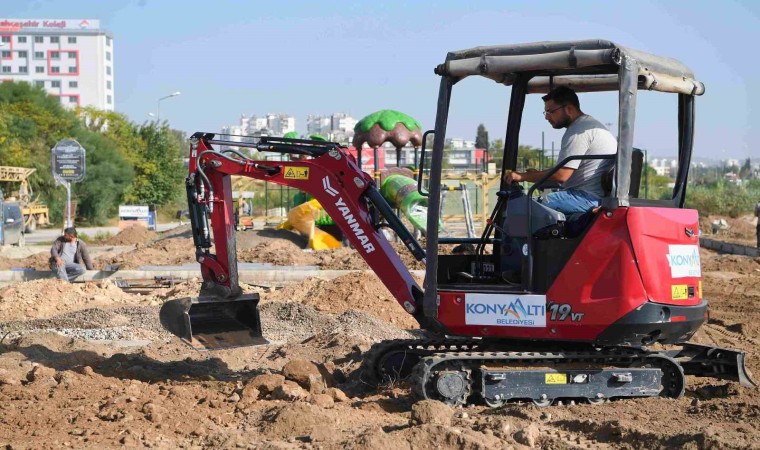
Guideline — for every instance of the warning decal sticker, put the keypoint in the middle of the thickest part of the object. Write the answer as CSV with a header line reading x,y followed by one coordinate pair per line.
x,y
296,173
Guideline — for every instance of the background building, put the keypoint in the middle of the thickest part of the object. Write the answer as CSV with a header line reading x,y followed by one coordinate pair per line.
x,y
70,59
268,125
337,127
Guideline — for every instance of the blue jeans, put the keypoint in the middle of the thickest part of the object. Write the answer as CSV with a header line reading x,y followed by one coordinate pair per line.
x,y
68,271
571,201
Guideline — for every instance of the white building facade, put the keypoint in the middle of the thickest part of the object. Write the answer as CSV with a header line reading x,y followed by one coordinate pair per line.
x,y
268,125
337,127
70,59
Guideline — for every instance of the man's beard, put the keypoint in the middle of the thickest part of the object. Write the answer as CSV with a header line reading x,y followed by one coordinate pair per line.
x,y
562,123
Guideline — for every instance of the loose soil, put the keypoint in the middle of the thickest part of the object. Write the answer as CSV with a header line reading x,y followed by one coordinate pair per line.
x,y
132,235
741,230
89,366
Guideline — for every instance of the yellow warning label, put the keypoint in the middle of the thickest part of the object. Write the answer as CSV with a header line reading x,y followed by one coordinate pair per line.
x,y
555,378
680,291
700,289
296,173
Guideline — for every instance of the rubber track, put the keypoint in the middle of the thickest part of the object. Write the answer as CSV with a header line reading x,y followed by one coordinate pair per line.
x,y
373,374
423,371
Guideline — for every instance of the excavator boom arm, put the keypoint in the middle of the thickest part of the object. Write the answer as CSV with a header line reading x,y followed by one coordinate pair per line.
x,y
328,173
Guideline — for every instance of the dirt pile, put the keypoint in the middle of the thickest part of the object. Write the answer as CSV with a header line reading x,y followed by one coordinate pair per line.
x,y
76,388
167,252
252,238
741,230
132,235
287,253
271,246
44,298
279,253
360,290
39,261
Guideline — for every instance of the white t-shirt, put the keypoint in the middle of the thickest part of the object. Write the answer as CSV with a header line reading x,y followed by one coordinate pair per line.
x,y
587,136
69,252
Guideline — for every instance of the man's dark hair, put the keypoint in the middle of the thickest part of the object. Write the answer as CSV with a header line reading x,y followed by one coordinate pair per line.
x,y
563,96
71,231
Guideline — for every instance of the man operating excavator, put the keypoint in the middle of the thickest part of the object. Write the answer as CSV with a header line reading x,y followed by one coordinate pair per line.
x,y
580,179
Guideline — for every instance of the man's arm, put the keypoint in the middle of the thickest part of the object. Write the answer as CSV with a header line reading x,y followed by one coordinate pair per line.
x,y
559,176
54,250
55,253
85,255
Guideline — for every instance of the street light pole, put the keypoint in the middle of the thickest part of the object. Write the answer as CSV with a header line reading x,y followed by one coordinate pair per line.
x,y
158,110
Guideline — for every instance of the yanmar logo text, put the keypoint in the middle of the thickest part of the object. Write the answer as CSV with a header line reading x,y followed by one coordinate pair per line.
x,y
345,211
505,310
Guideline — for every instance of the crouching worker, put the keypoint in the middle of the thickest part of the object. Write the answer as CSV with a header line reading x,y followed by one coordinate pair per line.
x,y
69,257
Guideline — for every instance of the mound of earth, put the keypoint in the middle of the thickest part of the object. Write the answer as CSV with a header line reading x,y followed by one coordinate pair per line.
x,y
132,235
287,253
360,290
44,298
184,231
166,252
741,230
39,261
251,238
278,252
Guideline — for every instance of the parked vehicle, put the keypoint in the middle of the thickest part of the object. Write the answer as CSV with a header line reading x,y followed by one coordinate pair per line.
x,y
35,211
12,225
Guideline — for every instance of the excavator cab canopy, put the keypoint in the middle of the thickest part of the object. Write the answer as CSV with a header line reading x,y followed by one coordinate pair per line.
x,y
584,66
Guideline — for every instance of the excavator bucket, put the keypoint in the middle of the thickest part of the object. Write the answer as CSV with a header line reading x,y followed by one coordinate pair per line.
x,y
210,323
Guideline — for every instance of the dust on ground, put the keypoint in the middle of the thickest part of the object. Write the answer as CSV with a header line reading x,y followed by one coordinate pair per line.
x,y
89,366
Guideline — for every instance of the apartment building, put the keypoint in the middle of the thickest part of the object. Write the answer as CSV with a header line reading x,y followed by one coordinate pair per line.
x,y
72,59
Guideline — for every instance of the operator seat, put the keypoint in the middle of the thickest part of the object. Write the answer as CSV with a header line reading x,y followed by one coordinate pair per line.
x,y
637,163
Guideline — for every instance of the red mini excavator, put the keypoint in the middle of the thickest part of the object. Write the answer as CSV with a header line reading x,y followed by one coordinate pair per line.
x,y
547,307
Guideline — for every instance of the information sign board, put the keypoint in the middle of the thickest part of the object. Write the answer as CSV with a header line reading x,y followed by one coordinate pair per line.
x,y
68,161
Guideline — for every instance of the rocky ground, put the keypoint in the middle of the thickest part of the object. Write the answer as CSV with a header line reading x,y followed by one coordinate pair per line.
x,y
89,366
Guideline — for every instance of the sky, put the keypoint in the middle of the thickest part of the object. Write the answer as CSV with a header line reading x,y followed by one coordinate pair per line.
x,y
229,58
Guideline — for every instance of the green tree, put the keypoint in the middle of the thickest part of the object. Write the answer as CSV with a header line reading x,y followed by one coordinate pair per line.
x,y
528,158
118,128
746,170
31,122
108,176
481,138
496,153
153,151
158,169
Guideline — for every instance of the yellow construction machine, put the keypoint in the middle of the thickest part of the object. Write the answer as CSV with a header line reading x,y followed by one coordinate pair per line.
x,y
35,212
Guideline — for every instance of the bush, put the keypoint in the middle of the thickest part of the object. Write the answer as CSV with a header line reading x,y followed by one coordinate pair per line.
x,y
722,198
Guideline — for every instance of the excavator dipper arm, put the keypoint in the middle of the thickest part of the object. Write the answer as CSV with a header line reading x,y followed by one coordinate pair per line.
x,y
329,174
